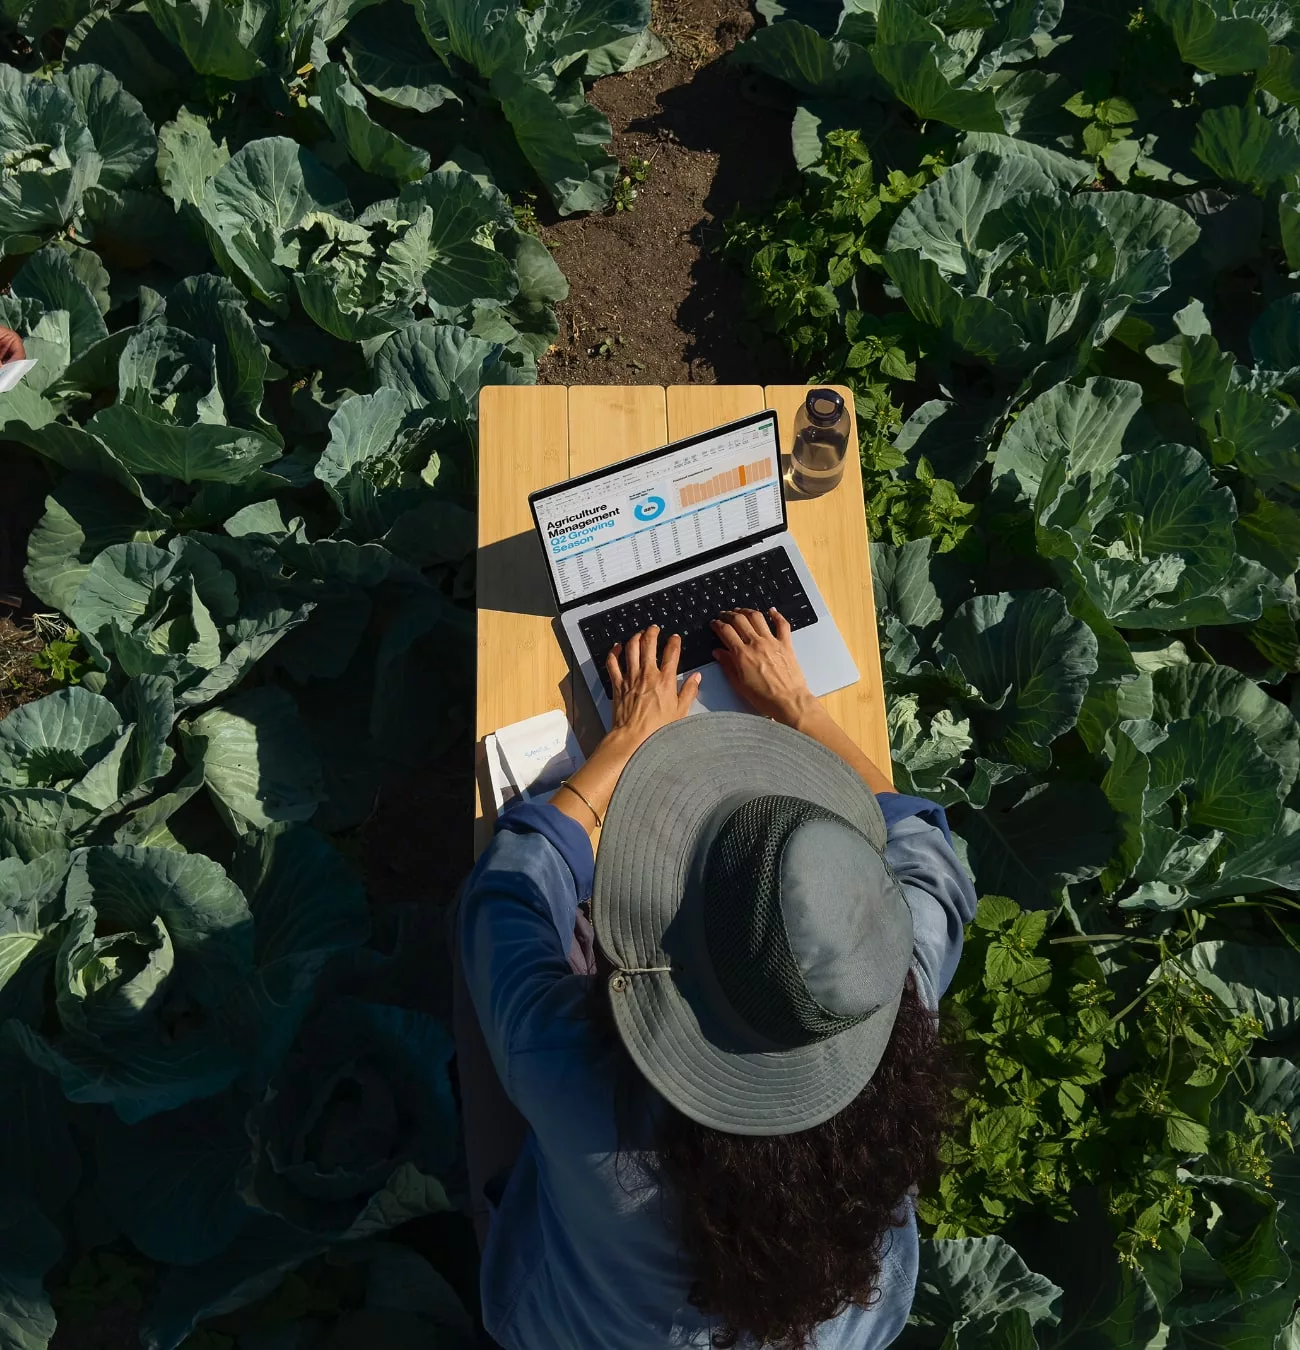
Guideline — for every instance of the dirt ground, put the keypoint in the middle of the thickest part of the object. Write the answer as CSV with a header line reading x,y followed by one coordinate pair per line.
x,y
649,302
21,502
20,681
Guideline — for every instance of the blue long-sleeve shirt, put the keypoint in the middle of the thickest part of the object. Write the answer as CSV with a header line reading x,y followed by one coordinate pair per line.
x,y
579,1254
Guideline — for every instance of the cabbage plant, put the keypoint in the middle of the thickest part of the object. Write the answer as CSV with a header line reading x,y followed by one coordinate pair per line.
x,y
347,1139
145,982
1014,271
72,766
530,61
72,146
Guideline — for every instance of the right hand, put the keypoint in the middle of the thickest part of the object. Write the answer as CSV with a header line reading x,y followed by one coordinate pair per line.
x,y
11,346
760,663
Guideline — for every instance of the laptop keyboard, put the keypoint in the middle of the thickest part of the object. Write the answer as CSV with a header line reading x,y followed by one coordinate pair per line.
x,y
688,607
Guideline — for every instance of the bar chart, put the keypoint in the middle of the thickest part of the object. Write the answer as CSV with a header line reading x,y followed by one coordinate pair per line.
x,y
732,480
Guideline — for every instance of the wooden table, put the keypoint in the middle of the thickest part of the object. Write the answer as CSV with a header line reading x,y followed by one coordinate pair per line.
x,y
531,437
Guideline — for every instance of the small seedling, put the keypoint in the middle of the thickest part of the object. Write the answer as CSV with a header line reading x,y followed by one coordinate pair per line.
x,y
299,85
63,659
607,346
525,213
635,173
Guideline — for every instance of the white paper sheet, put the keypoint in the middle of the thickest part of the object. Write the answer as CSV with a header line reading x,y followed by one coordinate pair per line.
x,y
504,792
13,371
530,759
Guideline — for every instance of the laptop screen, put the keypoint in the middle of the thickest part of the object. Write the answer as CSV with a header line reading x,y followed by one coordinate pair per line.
x,y
661,510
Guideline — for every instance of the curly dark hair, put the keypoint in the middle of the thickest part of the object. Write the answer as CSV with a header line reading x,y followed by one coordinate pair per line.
x,y
786,1231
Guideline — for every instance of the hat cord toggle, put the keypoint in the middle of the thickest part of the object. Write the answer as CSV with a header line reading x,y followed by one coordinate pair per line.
x,y
618,981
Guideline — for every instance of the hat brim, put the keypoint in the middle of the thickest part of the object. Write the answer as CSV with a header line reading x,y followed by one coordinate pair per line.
x,y
670,1016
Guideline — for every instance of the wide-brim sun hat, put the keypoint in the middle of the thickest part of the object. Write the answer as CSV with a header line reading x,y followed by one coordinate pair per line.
x,y
759,940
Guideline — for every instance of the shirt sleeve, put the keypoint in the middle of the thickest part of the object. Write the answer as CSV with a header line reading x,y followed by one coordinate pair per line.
x,y
569,840
516,923
938,891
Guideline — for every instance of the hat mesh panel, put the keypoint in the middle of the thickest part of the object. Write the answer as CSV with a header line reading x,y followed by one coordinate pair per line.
x,y
744,927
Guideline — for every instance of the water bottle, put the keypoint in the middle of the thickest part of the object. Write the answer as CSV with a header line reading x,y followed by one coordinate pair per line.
x,y
821,440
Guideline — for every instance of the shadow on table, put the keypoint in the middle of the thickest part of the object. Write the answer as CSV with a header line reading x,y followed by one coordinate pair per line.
x,y
578,705
512,576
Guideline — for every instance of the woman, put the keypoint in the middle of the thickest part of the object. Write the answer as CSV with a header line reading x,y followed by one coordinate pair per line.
x,y
719,1119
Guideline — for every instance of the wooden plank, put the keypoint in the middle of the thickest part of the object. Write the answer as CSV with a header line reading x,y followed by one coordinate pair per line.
x,y
832,533
523,446
612,421
608,422
693,408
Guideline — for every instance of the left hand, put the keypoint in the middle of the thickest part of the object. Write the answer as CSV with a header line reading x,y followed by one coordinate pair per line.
x,y
646,696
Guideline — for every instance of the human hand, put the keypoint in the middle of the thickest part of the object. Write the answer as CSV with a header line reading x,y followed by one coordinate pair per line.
x,y
11,346
760,663
646,696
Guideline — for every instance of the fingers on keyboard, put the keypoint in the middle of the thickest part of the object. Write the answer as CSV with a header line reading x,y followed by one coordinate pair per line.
x,y
688,607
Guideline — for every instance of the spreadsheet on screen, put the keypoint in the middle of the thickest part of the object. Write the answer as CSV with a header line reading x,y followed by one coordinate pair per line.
x,y
663,510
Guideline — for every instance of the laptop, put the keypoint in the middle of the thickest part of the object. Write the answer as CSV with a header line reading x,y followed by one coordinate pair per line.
x,y
675,537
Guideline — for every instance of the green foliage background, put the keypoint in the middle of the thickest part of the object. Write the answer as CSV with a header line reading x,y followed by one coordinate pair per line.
x,y
1053,250
264,256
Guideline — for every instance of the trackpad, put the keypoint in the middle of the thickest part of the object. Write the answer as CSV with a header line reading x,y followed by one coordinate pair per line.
x,y
716,694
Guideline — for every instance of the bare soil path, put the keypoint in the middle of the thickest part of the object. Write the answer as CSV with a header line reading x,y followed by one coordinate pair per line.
x,y
649,301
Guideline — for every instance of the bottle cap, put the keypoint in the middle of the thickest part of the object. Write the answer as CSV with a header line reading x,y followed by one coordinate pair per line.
x,y
824,407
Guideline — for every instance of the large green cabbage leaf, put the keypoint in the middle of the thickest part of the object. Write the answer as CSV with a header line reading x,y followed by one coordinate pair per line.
x,y
1013,271
530,61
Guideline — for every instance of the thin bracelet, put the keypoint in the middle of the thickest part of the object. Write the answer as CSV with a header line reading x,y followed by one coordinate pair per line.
x,y
566,784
